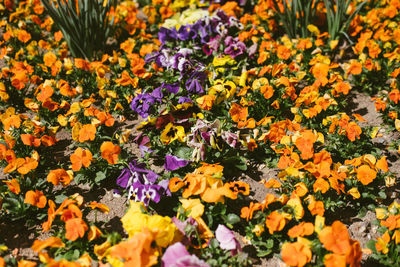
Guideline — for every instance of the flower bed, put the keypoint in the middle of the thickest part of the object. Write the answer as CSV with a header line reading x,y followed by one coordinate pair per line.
x,y
176,110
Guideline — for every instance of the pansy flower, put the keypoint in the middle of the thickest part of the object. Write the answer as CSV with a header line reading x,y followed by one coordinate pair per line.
x,y
173,163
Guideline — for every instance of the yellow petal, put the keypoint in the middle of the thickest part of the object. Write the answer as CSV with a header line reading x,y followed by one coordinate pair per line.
x,y
397,124
319,223
333,44
313,29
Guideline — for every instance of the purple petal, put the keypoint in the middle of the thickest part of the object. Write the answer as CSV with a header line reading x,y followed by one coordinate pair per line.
x,y
173,253
173,163
226,238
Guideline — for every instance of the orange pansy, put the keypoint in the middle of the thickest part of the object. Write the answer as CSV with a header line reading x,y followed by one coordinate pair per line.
x,y
137,251
353,131
27,165
302,229
206,101
94,233
275,222
25,263
300,189
48,140
24,36
102,207
81,157
75,228
13,186
81,64
272,183
51,214
110,152
49,59
392,222
321,185
335,260
59,176
175,184
210,169
382,164
46,92
54,242
365,174
305,144
336,238
30,140
382,243
316,208
35,198
394,95
196,184
71,212
87,132
105,118
296,254
247,212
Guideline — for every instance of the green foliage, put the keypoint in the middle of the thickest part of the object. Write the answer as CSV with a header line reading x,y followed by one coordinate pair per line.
x,y
337,18
85,24
296,16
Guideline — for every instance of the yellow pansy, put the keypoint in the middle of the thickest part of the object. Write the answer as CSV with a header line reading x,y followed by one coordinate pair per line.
x,y
194,206
172,133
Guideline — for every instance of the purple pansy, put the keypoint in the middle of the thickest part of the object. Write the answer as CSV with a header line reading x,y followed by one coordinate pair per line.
x,y
142,104
176,255
187,32
173,163
136,173
141,183
166,35
146,192
226,239
194,83
172,88
234,46
184,99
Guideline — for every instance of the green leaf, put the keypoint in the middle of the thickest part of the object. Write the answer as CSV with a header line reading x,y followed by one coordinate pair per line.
x,y
242,165
269,243
264,253
232,218
184,152
79,178
371,245
60,198
100,176
382,195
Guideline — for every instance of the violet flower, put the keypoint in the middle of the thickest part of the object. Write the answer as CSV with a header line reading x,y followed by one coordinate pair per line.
x,y
212,45
187,32
146,192
136,172
172,88
235,47
173,163
142,104
227,240
193,84
165,34
141,183
176,255
157,94
184,99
